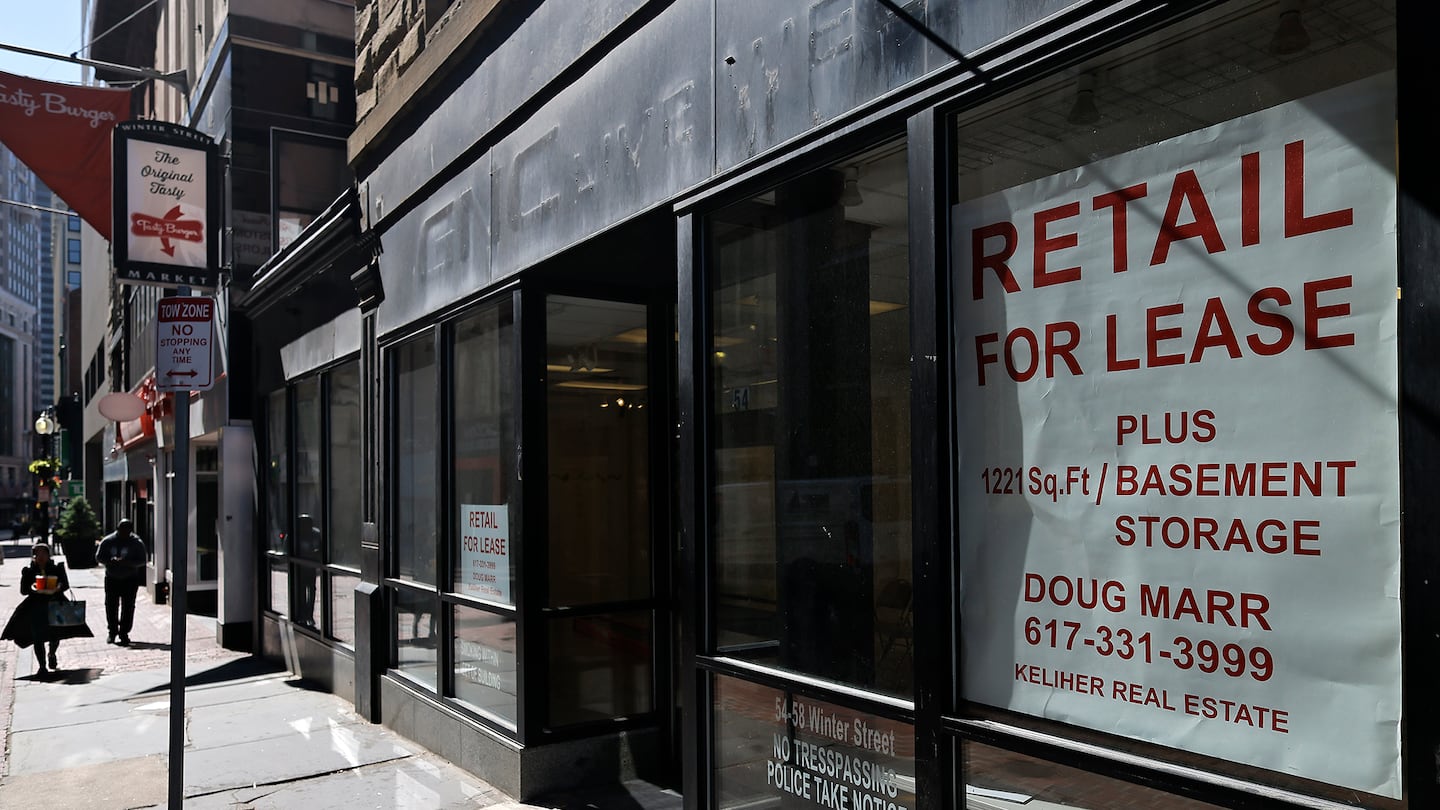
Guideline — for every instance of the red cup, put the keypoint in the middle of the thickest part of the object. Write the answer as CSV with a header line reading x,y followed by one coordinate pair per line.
x,y
40,581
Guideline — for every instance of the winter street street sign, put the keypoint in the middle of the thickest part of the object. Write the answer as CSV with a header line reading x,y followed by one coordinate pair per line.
x,y
182,356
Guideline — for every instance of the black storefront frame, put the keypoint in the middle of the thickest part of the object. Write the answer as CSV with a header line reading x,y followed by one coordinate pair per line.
x,y
325,569
942,726
439,330
701,665
536,439
528,519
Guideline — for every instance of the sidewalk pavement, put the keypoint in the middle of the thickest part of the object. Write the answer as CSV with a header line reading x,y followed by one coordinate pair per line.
x,y
95,733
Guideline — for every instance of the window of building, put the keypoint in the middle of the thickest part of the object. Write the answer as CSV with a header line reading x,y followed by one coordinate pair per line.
x,y
829,754
277,501
345,486
306,551
484,664
1152,237
600,559
313,515
810,376
416,443
308,172
455,583
72,224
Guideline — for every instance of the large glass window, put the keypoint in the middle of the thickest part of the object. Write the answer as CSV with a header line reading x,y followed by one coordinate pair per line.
x,y
1152,535
599,451
277,501
771,745
811,379
416,442
417,632
486,667
484,456
483,648
346,483
308,546
317,541
454,609
598,399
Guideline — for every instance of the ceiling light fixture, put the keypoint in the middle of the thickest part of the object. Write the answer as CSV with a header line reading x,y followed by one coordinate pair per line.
x,y
1084,111
850,194
1290,34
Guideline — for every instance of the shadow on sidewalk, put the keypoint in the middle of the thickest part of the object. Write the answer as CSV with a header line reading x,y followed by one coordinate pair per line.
x,y
239,669
77,677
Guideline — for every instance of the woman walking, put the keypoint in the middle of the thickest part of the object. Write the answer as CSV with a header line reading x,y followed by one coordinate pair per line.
x,y
43,581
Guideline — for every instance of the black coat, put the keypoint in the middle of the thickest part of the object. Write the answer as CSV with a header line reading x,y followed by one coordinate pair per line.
x,y
30,621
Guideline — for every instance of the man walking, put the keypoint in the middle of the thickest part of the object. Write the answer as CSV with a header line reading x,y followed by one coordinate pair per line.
x,y
123,555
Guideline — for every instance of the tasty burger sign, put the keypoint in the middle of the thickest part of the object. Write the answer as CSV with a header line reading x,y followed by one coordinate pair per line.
x,y
166,205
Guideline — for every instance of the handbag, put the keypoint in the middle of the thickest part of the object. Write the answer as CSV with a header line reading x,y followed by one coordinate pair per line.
x,y
64,612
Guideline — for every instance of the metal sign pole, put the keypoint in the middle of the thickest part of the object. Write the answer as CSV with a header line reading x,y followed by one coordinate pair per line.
x,y
167,233
179,576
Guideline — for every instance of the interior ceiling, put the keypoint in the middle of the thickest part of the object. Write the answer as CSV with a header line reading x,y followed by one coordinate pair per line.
x,y
1212,67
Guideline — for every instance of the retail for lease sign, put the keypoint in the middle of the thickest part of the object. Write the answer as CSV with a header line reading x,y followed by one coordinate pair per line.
x,y
485,552
1179,467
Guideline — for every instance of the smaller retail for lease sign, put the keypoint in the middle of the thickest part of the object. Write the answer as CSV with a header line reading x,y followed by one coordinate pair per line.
x,y
182,356
167,205
485,551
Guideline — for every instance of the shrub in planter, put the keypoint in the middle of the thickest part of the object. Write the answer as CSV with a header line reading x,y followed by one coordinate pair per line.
x,y
78,532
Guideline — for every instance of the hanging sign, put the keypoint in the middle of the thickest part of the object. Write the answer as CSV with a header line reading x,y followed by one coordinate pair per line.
x,y
485,552
182,335
1176,377
167,205
62,133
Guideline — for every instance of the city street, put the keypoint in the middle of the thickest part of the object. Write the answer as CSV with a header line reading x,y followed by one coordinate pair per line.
x,y
94,734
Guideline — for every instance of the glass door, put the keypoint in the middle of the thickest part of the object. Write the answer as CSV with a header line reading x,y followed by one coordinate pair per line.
x,y
600,611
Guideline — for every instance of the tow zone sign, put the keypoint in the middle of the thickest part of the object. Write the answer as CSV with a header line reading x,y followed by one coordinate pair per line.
x,y
182,356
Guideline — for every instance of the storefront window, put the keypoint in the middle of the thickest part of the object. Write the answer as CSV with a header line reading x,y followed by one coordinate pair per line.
x,y
598,409
277,502
486,669
308,543
342,607
484,455
345,486
811,381
416,440
600,667
277,475
345,471
775,748
599,451
309,521
1154,539
998,778
280,587
417,628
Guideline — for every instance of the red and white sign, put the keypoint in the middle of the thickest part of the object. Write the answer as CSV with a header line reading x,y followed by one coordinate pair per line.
x,y
485,552
1176,391
166,199
62,133
183,333
168,205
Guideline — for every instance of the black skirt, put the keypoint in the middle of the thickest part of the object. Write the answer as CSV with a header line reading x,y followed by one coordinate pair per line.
x,y
30,623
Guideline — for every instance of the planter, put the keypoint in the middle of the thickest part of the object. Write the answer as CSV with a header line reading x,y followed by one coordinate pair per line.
x,y
79,552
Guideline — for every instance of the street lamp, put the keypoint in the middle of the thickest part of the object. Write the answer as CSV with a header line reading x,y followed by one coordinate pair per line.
x,y
46,426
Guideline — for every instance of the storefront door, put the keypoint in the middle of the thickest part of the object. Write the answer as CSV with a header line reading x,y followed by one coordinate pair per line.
x,y
606,611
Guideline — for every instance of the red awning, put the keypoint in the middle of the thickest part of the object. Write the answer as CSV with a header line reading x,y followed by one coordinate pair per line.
x,y
62,132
